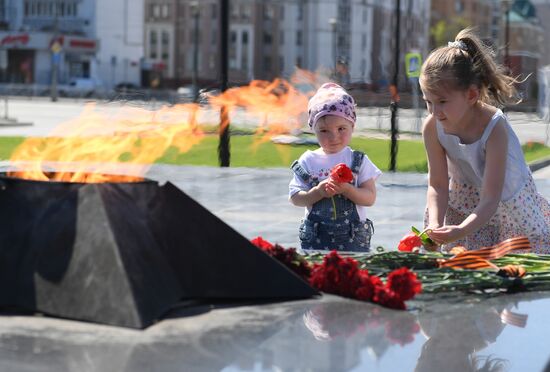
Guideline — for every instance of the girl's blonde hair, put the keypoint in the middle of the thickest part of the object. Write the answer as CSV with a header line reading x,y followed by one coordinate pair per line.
x,y
465,62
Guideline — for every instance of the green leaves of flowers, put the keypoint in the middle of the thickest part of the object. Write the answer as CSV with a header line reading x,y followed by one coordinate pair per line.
x,y
424,236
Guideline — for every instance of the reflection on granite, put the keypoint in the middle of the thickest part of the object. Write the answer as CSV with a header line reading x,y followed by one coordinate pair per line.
x,y
329,333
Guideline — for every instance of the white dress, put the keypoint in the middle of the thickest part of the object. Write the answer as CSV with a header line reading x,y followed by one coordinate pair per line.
x,y
522,211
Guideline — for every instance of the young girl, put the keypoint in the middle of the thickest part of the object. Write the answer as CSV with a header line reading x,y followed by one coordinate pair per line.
x,y
480,190
332,117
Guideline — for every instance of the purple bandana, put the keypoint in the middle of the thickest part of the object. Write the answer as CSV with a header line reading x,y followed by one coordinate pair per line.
x,y
331,99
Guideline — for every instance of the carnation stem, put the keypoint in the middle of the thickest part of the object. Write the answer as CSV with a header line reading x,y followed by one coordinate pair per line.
x,y
333,208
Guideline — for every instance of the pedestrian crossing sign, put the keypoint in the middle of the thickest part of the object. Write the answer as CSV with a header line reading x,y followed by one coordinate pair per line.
x,y
56,47
413,62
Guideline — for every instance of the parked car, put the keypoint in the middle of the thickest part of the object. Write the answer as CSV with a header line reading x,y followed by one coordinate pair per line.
x,y
79,87
126,86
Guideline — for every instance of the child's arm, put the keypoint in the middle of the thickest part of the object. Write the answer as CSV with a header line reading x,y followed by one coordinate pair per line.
x,y
311,196
437,195
491,189
364,194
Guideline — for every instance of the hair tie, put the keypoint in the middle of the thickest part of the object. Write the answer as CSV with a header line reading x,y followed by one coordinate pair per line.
x,y
458,44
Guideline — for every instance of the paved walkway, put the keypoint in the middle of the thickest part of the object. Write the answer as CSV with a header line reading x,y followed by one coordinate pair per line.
x,y
255,201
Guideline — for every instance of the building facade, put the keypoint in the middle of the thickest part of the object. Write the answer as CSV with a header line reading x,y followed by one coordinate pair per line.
x,y
346,40
40,36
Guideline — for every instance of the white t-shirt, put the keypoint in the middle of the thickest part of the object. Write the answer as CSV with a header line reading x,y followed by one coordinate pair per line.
x,y
318,164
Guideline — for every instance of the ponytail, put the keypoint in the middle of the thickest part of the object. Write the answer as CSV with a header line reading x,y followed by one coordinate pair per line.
x,y
468,61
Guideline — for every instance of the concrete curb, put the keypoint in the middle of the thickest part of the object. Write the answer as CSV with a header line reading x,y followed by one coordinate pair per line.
x,y
539,164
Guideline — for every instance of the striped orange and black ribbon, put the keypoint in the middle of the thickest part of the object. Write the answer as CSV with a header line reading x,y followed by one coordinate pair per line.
x,y
479,259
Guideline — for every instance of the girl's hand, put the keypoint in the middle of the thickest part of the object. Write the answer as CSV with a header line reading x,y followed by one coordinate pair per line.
x,y
431,247
446,234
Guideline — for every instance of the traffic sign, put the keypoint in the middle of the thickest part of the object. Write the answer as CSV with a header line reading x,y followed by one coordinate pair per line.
x,y
56,47
413,62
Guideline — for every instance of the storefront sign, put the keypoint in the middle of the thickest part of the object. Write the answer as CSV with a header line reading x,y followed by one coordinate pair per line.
x,y
12,40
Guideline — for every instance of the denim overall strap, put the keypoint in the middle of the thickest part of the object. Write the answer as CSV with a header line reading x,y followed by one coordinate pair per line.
x,y
303,174
356,161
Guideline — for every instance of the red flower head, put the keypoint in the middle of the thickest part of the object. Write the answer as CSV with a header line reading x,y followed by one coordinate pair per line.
x,y
341,173
261,243
404,283
409,242
386,297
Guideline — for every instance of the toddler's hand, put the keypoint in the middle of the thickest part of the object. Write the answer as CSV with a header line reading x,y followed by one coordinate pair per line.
x,y
336,188
324,189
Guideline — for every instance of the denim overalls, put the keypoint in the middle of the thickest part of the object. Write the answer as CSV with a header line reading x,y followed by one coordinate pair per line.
x,y
320,231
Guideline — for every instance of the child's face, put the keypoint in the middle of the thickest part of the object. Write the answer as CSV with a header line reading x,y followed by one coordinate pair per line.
x,y
449,106
333,133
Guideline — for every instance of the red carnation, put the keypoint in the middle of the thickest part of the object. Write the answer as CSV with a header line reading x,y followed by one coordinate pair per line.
x,y
386,297
341,173
404,283
287,256
261,243
409,242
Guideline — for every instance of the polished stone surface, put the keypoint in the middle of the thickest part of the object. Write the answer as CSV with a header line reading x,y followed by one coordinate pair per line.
x,y
325,334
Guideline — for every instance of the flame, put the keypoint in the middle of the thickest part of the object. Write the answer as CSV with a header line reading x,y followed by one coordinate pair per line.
x,y
100,147
276,106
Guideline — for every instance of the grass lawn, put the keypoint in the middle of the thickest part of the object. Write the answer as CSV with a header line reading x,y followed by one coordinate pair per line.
x,y
254,151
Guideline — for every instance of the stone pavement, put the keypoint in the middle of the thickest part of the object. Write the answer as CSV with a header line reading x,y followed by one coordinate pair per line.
x,y
255,201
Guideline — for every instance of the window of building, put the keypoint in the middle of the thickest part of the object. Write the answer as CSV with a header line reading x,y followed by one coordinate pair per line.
x,y
233,10
246,12
156,10
153,37
299,37
214,37
268,38
459,6
214,11
300,14
165,38
192,35
244,37
267,63
269,12
281,63
281,37
165,10
299,62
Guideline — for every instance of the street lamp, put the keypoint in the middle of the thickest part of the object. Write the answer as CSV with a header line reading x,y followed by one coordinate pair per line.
x,y
195,14
333,23
506,4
